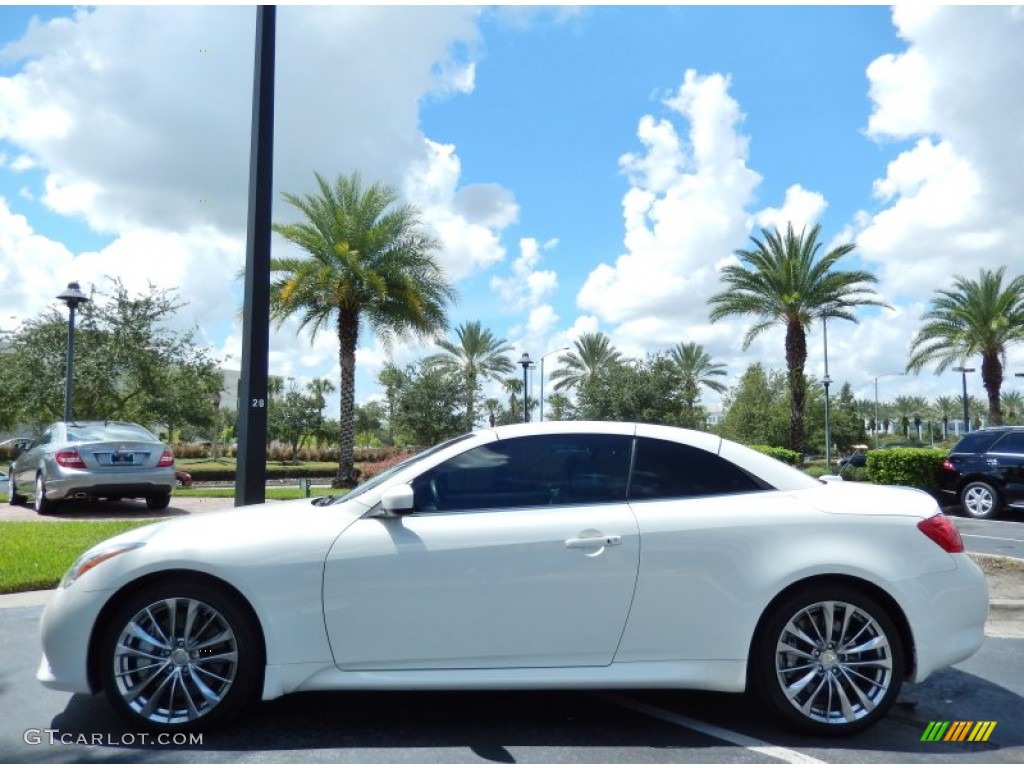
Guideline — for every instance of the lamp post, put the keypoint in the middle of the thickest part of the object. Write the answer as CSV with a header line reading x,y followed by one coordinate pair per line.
x,y
526,362
826,381
967,418
880,376
547,354
72,296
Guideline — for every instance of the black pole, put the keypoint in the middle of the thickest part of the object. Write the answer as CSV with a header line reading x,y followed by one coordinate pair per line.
x,y
967,423
250,479
68,386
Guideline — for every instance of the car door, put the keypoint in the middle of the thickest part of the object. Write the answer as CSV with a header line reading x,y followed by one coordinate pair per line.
x,y
520,553
1005,459
24,468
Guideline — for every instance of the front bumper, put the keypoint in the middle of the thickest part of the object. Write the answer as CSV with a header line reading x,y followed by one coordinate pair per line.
x,y
64,630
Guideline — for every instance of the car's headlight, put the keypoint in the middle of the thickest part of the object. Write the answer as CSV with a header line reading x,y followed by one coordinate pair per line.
x,y
94,557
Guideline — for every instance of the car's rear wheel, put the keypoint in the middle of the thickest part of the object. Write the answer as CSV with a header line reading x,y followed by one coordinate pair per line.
x,y
160,501
13,497
43,505
980,500
829,660
181,656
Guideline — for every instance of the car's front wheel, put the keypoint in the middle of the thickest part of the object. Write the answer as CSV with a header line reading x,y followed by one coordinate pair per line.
x,y
980,500
180,656
829,660
43,505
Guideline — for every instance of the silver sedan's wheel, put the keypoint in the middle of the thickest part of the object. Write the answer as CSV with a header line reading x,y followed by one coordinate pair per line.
x,y
831,661
13,497
43,506
180,657
979,500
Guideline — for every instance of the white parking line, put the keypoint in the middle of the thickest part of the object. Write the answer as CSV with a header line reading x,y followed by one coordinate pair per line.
x,y
997,538
784,754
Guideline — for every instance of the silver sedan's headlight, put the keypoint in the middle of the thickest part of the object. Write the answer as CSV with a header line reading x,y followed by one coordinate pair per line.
x,y
92,558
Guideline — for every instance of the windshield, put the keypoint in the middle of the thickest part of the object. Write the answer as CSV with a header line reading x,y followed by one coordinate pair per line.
x,y
387,474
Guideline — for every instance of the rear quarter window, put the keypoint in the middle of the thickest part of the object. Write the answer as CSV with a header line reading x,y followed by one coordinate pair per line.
x,y
976,442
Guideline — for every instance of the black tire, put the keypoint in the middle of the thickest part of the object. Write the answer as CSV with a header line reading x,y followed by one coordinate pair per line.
x,y
158,502
824,686
980,500
213,668
13,497
43,505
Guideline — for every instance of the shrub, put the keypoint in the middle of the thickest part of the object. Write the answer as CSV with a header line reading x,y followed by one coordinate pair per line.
x,y
370,469
913,467
782,454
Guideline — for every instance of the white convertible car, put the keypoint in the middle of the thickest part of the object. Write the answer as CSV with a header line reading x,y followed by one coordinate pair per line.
x,y
553,555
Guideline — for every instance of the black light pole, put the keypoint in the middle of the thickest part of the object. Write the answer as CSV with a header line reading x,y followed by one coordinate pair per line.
x,y
250,479
967,417
826,381
526,362
72,296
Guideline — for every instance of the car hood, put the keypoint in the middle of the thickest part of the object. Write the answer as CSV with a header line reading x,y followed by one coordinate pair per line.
x,y
843,497
269,534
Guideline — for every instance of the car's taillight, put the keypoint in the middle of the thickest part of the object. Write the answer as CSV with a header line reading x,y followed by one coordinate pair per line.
x,y
949,466
70,459
943,532
167,459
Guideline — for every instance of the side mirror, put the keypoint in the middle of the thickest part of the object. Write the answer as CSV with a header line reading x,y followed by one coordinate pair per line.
x,y
397,500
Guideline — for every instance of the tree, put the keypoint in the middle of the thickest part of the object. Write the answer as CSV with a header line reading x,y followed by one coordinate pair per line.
x,y
560,407
1013,406
783,282
369,265
130,364
593,357
370,420
974,318
756,410
645,391
477,357
392,378
429,405
291,418
318,389
945,406
695,369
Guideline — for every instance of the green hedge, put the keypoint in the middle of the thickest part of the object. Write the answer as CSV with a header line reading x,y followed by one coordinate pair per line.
x,y
782,454
914,467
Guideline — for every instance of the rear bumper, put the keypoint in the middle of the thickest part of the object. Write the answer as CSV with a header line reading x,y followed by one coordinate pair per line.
x,y
82,485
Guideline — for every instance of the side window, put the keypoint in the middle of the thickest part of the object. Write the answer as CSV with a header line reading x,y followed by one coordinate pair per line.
x,y
667,470
1012,442
533,471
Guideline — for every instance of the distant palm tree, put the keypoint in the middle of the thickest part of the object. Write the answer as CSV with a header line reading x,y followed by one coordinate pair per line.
x,y
370,266
318,388
479,355
513,386
974,318
903,408
865,410
945,407
695,368
593,355
1013,406
784,282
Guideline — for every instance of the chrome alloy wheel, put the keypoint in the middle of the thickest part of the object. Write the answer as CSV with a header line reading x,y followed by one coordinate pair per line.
x,y
834,662
979,500
175,661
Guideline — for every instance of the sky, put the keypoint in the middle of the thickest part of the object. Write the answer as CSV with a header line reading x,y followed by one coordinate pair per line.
x,y
585,168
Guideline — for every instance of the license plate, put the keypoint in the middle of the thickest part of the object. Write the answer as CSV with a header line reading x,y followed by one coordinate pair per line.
x,y
122,458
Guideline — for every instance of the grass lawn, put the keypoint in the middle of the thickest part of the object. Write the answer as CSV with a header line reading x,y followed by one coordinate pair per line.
x,y
36,555
278,493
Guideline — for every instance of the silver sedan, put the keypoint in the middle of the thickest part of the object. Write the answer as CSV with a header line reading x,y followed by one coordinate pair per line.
x,y
92,459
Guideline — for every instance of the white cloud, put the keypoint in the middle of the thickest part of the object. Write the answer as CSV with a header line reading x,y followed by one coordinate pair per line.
x,y
684,213
527,286
801,208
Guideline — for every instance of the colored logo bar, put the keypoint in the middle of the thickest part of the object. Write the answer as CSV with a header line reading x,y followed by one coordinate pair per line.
x,y
958,730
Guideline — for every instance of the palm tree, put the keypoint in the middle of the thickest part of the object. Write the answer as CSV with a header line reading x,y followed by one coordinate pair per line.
x,y
513,386
695,367
865,410
318,388
903,407
477,356
974,318
593,355
783,282
370,265
945,407
1013,406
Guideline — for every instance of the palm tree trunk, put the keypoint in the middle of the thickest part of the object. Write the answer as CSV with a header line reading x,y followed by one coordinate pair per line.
x,y
348,336
992,377
796,356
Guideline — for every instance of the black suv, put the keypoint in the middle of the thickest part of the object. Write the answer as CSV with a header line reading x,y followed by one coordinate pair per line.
x,y
985,471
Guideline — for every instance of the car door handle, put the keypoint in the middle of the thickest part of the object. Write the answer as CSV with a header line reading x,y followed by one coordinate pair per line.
x,y
591,542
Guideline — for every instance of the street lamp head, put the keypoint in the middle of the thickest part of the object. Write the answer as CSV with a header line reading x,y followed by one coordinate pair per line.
x,y
961,369
525,360
72,295
827,380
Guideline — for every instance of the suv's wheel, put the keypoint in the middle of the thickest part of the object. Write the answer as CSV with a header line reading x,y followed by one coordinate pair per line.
x,y
828,660
181,656
980,500
43,506
13,497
